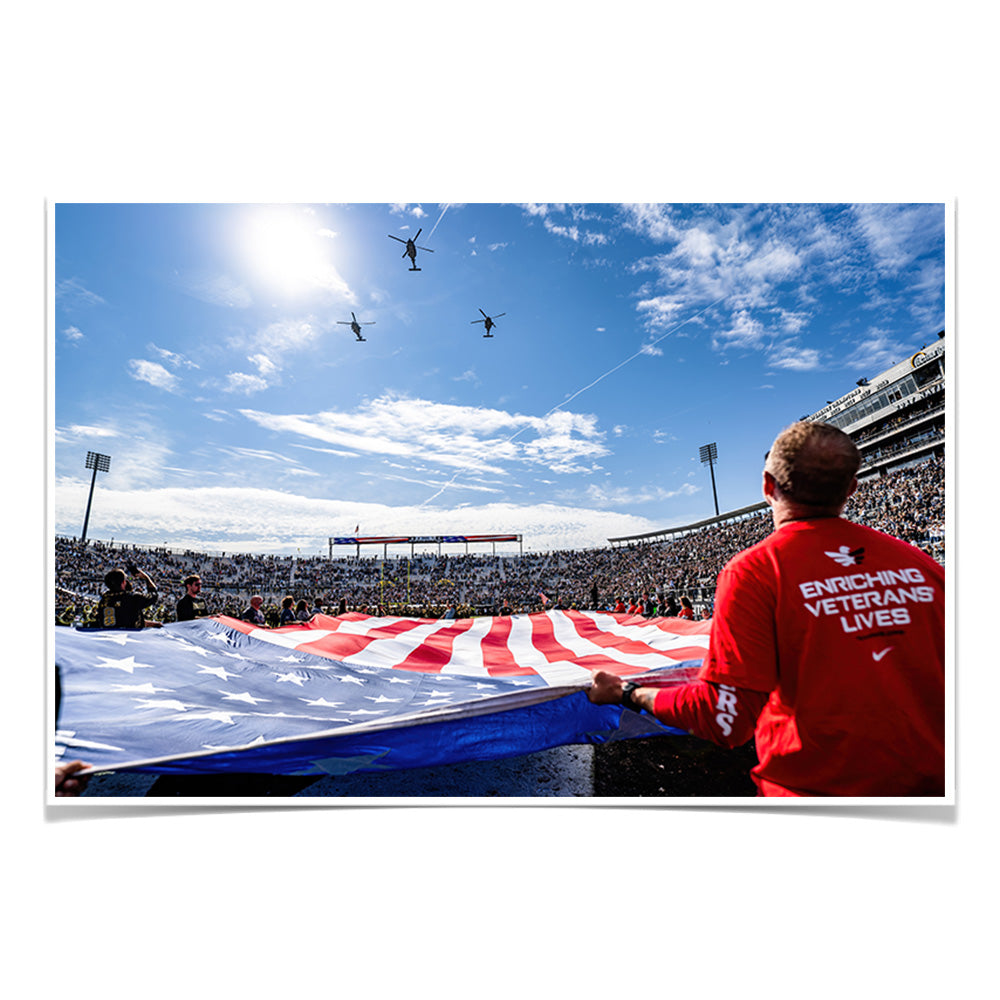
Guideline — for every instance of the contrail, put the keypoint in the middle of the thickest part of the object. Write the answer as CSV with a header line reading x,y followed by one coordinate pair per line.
x,y
578,392
438,223
642,350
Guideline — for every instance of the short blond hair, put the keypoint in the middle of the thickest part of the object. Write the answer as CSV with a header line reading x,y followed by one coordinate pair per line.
x,y
813,463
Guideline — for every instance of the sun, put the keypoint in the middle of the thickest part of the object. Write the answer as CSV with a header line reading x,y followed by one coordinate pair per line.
x,y
288,252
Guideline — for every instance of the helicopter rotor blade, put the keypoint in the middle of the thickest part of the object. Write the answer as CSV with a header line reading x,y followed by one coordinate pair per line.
x,y
391,237
419,231
427,249
484,313
499,314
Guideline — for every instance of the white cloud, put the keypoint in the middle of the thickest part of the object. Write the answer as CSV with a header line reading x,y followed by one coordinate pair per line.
x,y
469,438
266,520
617,496
897,234
652,221
171,358
574,233
403,208
153,373
745,331
84,432
243,382
793,358
876,353
73,292
73,334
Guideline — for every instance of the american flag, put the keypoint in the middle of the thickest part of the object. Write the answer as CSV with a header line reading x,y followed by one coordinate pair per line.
x,y
354,693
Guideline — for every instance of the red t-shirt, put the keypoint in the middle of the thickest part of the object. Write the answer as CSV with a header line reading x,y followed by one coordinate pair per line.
x,y
843,627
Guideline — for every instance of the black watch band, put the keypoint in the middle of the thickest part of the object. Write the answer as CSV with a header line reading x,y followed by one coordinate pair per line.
x,y
627,688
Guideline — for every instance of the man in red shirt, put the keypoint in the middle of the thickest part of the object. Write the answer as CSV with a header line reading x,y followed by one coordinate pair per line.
x,y
827,643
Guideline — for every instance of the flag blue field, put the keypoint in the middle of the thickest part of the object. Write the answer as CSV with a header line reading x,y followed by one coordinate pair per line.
x,y
354,694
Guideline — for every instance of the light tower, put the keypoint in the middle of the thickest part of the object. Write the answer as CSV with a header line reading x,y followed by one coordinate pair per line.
x,y
99,463
709,455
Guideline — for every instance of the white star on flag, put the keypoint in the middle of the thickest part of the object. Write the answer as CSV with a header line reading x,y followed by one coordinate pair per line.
x,y
127,664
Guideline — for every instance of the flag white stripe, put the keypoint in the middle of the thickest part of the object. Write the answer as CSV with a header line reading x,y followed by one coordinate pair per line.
x,y
467,651
648,635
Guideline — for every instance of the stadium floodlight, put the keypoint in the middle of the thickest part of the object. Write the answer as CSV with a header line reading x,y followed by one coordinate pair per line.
x,y
709,455
99,463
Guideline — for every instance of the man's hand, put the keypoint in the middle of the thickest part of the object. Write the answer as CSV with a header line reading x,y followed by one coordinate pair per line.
x,y
66,784
606,688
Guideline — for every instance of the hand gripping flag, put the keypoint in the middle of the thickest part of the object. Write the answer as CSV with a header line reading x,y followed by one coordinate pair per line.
x,y
355,693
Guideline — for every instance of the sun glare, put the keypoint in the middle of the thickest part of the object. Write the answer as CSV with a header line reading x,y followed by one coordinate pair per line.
x,y
287,252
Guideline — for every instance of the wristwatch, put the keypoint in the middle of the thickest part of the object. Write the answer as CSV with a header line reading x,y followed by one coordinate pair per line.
x,y
627,688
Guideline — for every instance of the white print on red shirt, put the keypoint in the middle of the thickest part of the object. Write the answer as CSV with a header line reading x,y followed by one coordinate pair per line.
x,y
726,709
855,595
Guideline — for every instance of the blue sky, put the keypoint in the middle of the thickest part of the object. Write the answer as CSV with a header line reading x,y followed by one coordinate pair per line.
x,y
203,348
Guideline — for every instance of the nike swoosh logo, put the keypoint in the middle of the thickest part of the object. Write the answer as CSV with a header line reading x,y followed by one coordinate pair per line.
x,y
878,656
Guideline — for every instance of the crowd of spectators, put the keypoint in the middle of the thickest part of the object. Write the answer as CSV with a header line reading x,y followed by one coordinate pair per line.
x,y
653,576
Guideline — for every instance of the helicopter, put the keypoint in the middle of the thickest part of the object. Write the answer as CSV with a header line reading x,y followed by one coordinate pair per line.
x,y
356,326
411,248
488,320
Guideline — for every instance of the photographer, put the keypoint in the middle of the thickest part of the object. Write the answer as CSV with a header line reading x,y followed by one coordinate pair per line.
x,y
119,606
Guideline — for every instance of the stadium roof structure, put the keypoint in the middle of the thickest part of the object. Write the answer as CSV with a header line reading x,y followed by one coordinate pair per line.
x,y
413,540
898,417
663,534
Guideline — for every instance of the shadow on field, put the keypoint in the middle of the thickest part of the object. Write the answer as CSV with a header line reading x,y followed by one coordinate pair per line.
x,y
673,766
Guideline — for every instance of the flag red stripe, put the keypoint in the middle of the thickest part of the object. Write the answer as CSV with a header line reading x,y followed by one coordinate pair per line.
x,y
436,650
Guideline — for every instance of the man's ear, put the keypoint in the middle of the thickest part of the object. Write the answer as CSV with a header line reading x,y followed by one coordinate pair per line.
x,y
769,486
853,486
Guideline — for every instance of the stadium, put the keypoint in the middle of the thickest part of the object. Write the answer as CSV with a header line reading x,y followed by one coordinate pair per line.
x,y
897,419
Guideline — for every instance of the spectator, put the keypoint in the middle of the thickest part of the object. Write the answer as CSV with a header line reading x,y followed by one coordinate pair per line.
x,y
828,644
119,607
287,615
302,612
192,605
686,609
253,614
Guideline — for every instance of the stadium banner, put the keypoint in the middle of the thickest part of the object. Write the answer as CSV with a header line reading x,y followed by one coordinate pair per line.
x,y
418,539
355,693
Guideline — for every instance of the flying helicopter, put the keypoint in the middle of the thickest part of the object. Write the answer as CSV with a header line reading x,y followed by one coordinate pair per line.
x,y
488,320
355,325
411,248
